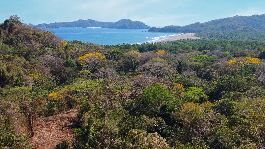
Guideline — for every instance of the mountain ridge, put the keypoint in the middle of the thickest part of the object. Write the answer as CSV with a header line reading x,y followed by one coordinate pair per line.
x,y
245,20
120,24
237,27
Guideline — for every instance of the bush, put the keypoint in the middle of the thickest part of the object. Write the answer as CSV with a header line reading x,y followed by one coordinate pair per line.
x,y
57,68
224,138
159,68
92,61
130,61
63,145
9,139
195,94
154,99
98,129
234,83
144,140
194,121
12,71
114,55
225,107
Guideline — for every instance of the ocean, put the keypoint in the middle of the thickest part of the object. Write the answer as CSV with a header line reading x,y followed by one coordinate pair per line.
x,y
107,36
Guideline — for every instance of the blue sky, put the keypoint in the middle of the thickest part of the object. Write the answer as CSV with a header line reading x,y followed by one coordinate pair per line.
x,y
152,12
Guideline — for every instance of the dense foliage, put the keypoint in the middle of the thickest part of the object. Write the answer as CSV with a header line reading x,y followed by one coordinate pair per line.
x,y
186,94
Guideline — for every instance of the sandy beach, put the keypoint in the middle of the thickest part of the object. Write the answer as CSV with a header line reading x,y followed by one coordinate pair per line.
x,y
183,36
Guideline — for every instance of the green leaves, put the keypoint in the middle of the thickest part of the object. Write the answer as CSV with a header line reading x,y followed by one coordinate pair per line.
x,y
195,94
157,94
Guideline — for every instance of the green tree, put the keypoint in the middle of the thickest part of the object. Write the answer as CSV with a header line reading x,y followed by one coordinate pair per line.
x,y
195,94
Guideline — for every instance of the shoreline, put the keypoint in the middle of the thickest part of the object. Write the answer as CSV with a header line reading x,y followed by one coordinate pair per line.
x,y
175,37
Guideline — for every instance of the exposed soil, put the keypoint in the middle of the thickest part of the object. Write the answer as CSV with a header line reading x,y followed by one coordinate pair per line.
x,y
49,131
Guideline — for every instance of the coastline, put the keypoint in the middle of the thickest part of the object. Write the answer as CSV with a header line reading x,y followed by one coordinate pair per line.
x,y
175,37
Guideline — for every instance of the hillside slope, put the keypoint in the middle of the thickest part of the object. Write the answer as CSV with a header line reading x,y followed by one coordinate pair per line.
x,y
185,94
238,27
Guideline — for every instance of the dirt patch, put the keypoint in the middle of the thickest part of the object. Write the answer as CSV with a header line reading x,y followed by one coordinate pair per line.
x,y
49,131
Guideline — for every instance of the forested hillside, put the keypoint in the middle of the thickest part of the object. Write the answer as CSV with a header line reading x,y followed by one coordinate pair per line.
x,y
195,94
233,28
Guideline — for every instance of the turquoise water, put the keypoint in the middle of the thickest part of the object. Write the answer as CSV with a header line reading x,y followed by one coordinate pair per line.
x,y
106,36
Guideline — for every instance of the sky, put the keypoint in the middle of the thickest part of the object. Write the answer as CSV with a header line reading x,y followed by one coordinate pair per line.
x,y
152,12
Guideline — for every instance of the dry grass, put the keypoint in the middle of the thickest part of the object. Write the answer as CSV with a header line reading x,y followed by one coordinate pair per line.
x,y
49,131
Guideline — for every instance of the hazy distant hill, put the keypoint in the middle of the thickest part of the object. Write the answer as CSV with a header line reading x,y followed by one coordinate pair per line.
x,y
121,24
238,27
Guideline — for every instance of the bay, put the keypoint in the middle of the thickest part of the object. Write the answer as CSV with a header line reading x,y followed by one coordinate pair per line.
x,y
107,36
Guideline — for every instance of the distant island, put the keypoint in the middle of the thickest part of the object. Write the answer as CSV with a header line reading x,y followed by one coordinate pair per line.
x,y
121,24
234,28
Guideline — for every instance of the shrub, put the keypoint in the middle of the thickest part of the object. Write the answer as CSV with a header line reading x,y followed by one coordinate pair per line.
x,y
179,87
159,68
255,92
194,121
224,138
230,83
225,107
195,94
63,145
204,59
262,55
9,139
104,73
115,54
189,79
195,144
154,99
144,140
12,71
130,61
92,61
56,67
98,129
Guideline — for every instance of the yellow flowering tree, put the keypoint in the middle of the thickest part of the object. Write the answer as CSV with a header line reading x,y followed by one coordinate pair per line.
x,y
54,95
251,60
92,55
161,52
92,61
232,62
246,60
179,87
